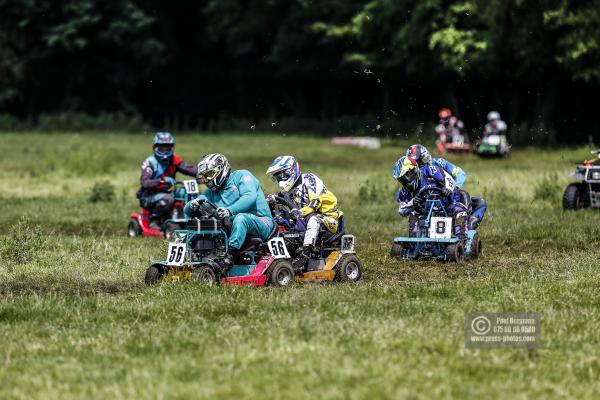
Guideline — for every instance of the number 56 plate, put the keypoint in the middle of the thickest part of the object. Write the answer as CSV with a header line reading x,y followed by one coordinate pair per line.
x,y
176,254
278,248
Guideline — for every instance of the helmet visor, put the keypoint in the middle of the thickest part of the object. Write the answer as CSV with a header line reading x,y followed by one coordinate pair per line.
x,y
408,177
209,174
282,175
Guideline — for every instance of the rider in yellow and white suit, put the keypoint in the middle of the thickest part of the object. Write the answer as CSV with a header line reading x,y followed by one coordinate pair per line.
x,y
317,205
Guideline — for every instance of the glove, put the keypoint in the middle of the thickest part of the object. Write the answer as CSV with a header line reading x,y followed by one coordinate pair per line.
x,y
448,191
271,199
296,214
195,204
168,181
222,212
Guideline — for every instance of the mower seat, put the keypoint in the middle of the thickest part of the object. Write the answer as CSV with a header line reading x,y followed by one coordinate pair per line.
x,y
330,238
254,242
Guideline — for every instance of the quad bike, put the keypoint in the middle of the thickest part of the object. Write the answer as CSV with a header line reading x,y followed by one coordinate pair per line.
x,y
198,252
492,146
453,142
434,238
586,192
334,257
139,223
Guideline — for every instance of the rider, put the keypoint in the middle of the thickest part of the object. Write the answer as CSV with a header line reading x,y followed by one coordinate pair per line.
x,y
414,178
238,195
158,177
448,128
495,125
421,155
317,205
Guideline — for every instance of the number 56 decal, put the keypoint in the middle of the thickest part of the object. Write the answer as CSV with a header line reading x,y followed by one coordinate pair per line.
x,y
278,249
176,254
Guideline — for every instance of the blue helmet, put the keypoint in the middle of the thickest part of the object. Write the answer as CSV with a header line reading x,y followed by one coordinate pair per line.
x,y
162,139
419,153
285,171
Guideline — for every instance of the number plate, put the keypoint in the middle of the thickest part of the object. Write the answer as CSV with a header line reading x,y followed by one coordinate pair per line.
x,y
278,248
191,186
347,244
440,228
176,254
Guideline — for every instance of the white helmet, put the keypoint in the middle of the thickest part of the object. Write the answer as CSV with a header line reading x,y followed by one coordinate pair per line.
x,y
285,170
214,170
493,116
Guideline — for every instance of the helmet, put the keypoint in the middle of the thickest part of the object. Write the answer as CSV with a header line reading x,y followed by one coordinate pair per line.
x,y
407,172
285,170
419,153
445,113
214,170
162,140
493,116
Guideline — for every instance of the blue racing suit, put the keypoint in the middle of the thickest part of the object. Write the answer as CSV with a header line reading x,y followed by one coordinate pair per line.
x,y
433,176
242,195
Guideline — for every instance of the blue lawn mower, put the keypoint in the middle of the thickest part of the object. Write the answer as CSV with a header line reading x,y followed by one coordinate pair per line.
x,y
434,238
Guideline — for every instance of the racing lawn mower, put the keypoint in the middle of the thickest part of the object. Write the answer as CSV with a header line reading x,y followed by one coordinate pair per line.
x,y
334,257
139,223
198,253
434,237
492,146
586,192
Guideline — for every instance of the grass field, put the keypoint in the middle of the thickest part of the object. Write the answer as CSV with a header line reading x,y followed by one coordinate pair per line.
x,y
76,320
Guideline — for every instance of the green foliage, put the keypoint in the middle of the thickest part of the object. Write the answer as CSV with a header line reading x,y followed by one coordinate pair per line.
x,y
23,243
101,192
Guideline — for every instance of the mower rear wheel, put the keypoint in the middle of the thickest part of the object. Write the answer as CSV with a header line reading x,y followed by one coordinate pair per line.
x,y
348,269
134,229
476,247
396,250
572,197
205,275
281,273
170,229
154,273
455,252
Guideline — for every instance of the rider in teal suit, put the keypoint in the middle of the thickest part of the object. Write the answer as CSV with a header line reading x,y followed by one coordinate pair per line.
x,y
238,195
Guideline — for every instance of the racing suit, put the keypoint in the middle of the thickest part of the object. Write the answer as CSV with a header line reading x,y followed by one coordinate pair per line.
x,y
318,206
497,127
433,176
154,194
242,195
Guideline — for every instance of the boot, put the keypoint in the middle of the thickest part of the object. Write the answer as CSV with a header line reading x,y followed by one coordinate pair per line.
x,y
473,222
302,256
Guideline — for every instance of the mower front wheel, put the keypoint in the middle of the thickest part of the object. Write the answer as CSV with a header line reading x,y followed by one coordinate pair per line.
x,y
205,275
154,273
281,273
348,269
396,250
455,252
572,197
134,229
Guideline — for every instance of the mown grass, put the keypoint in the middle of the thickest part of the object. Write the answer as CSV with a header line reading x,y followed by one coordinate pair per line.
x,y
76,320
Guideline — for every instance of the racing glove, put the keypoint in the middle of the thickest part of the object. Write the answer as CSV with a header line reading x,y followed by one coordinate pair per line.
x,y
222,212
271,199
195,204
296,214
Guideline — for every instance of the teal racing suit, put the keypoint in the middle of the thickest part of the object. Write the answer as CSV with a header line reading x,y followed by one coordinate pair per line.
x,y
242,195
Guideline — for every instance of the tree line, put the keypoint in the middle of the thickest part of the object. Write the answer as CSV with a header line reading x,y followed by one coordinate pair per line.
x,y
535,61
